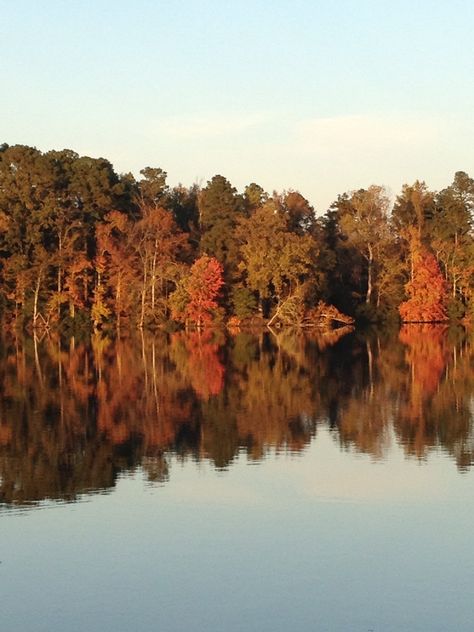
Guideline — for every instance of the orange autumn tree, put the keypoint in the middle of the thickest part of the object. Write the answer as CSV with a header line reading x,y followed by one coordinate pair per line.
x,y
115,269
195,297
426,288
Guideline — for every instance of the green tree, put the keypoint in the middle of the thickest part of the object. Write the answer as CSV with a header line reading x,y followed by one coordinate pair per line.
x,y
365,225
254,197
182,202
275,261
220,207
298,212
51,204
413,207
152,187
452,240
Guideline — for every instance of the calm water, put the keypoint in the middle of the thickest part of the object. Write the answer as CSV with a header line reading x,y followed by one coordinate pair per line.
x,y
239,483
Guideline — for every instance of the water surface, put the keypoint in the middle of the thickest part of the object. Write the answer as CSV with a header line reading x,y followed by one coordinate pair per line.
x,y
211,482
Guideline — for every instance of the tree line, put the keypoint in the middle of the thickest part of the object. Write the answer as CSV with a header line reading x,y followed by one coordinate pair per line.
x,y
81,245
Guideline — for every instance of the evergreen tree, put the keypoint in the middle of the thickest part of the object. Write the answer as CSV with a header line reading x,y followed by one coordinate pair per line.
x,y
220,207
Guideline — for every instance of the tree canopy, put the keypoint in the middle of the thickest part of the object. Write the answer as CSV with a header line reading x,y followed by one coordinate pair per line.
x,y
81,245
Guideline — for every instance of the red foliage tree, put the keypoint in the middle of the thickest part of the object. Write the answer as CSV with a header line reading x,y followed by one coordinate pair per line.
x,y
195,297
426,288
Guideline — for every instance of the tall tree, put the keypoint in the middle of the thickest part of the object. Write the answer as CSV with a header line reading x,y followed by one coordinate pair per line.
x,y
298,212
152,187
115,270
195,299
183,204
275,260
365,225
220,207
452,240
427,297
254,197
159,244
413,207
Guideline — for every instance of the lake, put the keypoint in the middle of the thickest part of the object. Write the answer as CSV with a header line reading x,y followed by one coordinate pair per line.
x,y
238,482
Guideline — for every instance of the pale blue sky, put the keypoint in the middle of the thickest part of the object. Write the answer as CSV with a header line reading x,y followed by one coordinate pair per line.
x,y
317,96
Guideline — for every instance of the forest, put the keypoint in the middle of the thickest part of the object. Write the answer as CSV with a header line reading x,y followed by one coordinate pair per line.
x,y
82,246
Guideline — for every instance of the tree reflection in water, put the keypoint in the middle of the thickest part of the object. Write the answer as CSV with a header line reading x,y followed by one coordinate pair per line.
x,y
74,415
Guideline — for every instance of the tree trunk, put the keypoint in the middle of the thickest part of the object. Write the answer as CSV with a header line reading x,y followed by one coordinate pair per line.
x,y
117,302
369,276
35,302
59,285
97,297
277,312
153,277
142,314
